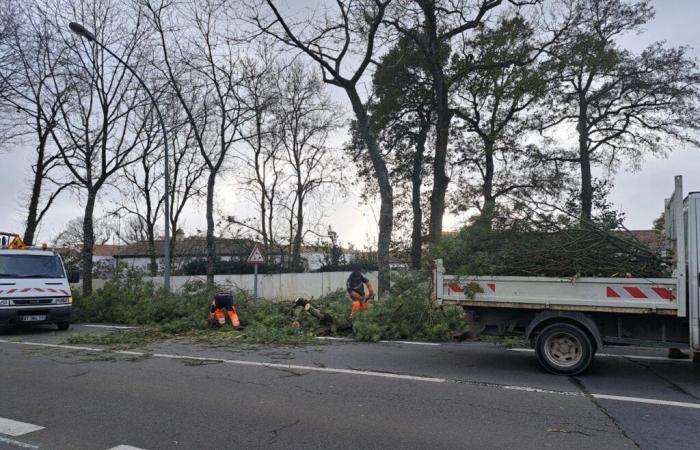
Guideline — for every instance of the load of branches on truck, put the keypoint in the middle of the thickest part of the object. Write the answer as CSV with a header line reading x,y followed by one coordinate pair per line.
x,y
553,250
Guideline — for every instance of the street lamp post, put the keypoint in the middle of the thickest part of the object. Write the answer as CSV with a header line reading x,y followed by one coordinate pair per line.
x,y
87,34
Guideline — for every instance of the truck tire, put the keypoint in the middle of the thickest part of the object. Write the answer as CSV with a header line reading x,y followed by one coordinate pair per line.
x,y
63,326
564,349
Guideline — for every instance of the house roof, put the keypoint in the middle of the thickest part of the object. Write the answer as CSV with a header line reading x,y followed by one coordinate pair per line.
x,y
106,250
650,238
192,247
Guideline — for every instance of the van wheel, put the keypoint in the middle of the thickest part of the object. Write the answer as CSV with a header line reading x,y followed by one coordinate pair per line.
x,y
63,326
564,349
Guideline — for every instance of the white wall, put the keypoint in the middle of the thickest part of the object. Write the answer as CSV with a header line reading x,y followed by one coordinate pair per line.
x,y
284,286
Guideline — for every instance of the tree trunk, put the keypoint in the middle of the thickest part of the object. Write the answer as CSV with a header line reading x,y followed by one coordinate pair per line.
x,y
585,163
88,242
296,245
211,244
440,178
152,250
488,211
33,209
416,183
442,126
386,209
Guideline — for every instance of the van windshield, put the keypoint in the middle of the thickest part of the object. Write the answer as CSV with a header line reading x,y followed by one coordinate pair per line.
x,y
31,266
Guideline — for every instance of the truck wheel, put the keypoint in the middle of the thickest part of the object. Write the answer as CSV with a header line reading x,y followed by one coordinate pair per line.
x,y
63,326
564,349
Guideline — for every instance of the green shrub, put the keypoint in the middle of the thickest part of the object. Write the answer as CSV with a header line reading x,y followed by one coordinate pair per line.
x,y
131,300
408,313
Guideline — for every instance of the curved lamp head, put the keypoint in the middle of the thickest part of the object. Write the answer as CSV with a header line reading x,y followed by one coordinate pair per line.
x,y
81,31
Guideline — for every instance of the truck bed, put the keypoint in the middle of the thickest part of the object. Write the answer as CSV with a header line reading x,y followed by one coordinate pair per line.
x,y
625,295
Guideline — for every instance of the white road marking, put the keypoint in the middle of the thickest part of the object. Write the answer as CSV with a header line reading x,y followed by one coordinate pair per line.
x,y
14,428
20,444
307,368
118,327
621,398
612,355
433,344
125,447
333,338
650,401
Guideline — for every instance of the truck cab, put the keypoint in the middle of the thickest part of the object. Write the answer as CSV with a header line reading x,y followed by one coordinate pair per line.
x,y
34,286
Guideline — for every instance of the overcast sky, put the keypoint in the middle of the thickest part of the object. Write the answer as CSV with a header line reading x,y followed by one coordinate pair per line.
x,y
638,194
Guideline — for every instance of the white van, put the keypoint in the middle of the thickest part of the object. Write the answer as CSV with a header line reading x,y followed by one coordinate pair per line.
x,y
34,287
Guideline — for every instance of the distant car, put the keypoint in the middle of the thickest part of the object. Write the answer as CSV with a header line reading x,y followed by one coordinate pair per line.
x,y
34,286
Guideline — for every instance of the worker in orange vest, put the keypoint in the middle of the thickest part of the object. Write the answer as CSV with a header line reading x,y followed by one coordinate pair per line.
x,y
356,289
223,301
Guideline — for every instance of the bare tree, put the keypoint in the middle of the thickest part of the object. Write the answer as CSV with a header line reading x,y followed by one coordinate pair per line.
x,y
32,106
142,196
335,45
72,236
95,132
202,69
263,174
187,171
305,118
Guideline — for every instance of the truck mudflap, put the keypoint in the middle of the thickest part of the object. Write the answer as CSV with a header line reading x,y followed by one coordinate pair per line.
x,y
591,294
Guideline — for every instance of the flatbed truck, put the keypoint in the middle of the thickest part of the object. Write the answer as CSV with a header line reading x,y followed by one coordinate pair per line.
x,y
568,320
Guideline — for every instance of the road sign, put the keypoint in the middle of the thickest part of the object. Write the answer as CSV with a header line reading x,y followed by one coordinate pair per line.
x,y
256,256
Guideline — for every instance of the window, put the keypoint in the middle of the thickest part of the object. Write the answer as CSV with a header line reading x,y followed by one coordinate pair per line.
x,y
30,266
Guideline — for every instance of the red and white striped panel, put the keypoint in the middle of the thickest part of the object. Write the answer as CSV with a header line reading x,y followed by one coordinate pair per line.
x,y
488,288
639,292
25,290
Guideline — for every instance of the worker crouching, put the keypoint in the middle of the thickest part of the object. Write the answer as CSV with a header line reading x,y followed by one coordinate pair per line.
x,y
356,289
222,306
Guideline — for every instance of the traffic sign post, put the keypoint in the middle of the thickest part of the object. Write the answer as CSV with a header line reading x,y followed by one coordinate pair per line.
x,y
256,257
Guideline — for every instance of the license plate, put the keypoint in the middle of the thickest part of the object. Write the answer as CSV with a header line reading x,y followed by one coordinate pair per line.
x,y
32,318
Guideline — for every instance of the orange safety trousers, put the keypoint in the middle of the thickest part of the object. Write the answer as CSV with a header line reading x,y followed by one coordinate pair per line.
x,y
232,315
359,303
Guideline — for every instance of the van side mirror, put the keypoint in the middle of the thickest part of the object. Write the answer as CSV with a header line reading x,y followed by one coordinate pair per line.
x,y
74,276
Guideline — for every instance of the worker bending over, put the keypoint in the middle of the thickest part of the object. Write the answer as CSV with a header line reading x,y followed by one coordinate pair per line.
x,y
356,289
223,301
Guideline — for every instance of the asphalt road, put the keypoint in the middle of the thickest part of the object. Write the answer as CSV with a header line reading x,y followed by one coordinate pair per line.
x,y
336,395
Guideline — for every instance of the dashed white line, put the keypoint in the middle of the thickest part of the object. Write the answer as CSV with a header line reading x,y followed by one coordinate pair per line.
x,y
612,355
651,401
14,428
20,444
118,327
125,447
